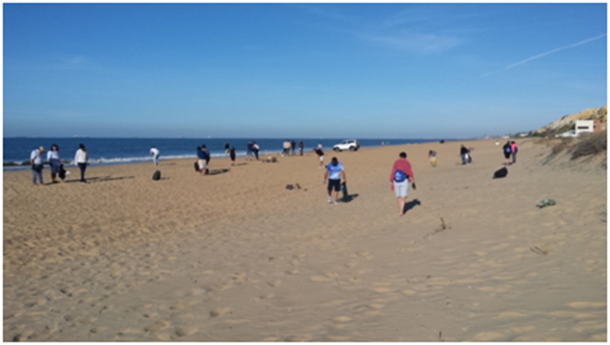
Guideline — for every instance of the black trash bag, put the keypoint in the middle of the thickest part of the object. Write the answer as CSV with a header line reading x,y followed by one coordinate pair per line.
x,y
501,173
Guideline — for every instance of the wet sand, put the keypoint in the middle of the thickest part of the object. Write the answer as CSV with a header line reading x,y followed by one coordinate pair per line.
x,y
235,256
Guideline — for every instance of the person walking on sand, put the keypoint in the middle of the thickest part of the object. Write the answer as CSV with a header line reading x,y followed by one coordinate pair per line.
x,y
334,172
226,149
208,156
81,159
432,156
320,153
293,146
54,162
232,154
249,151
286,147
36,163
401,176
464,154
155,153
301,147
255,149
202,160
514,148
508,150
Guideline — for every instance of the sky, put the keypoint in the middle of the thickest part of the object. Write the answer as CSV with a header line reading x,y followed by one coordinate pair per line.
x,y
395,70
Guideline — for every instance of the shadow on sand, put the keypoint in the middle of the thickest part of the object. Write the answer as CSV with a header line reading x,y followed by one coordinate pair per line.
x,y
411,204
101,179
349,198
218,171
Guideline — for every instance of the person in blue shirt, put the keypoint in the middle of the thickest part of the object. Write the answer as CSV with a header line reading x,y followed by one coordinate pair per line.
x,y
334,172
202,160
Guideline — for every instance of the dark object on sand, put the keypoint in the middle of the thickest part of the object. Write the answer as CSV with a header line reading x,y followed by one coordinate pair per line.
x,y
62,172
442,141
414,186
545,202
157,175
501,173
196,166
289,187
344,190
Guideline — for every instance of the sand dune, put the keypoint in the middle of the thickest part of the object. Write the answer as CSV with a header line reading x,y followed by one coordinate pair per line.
x,y
235,256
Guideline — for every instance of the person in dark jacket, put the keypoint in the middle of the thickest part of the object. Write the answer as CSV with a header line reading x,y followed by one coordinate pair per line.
x,y
232,154
464,154
508,150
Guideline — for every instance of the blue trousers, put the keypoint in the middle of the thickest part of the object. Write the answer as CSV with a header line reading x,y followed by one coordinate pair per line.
x,y
37,171
82,167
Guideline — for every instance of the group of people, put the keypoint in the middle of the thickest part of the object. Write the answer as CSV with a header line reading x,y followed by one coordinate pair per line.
x,y
81,159
252,149
289,147
400,178
510,149
402,172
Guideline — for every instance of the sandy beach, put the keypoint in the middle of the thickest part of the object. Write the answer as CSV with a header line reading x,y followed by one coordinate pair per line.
x,y
235,256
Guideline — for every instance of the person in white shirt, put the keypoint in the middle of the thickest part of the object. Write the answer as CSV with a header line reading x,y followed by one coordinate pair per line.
x,y
54,161
80,159
155,152
36,162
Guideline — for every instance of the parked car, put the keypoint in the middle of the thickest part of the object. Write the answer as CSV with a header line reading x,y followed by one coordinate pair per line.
x,y
349,144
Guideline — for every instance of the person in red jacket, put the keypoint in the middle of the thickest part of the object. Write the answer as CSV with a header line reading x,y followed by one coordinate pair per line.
x,y
401,175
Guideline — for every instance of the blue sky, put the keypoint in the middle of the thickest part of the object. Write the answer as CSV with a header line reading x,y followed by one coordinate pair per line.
x,y
299,70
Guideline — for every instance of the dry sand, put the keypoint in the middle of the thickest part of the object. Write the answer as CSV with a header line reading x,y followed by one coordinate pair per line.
x,y
235,256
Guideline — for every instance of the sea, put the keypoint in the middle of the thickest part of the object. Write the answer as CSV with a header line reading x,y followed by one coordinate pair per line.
x,y
108,151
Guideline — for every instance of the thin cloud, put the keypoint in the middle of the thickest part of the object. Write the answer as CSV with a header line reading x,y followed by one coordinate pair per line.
x,y
403,31
535,57
418,43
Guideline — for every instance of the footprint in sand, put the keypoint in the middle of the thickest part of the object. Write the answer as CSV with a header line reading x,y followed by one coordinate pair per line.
x,y
240,277
408,292
338,338
512,315
488,336
342,319
97,330
587,305
130,331
217,287
156,326
185,331
523,329
369,306
274,283
364,254
262,297
298,338
182,305
219,311
320,279
150,315
599,337
589,326
382,289
195,292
